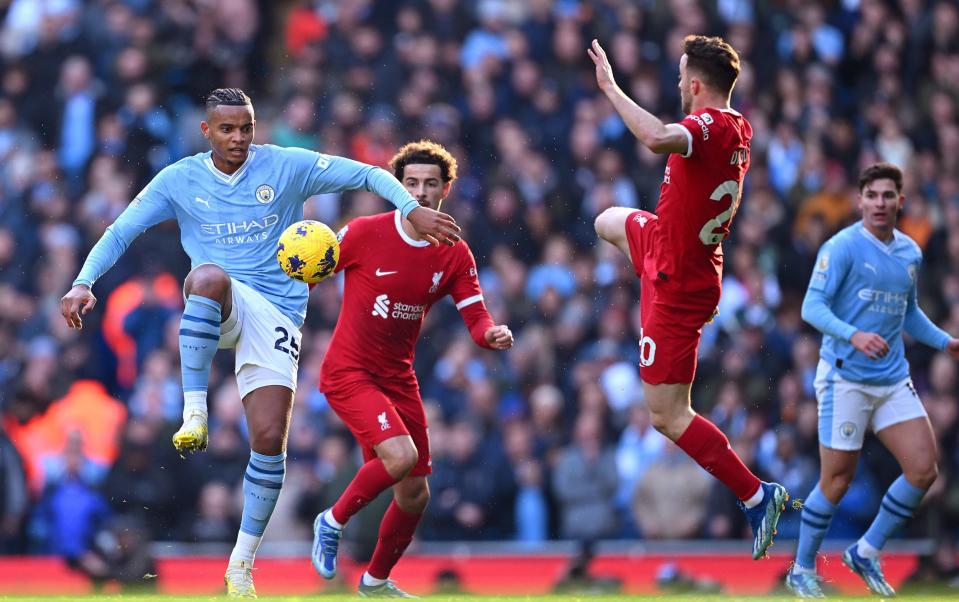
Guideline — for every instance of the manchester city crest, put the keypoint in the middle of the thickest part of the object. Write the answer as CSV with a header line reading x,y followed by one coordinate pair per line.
x,y
265,194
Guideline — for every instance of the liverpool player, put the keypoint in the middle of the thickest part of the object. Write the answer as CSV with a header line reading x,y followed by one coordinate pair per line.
x,y
393,277
678,256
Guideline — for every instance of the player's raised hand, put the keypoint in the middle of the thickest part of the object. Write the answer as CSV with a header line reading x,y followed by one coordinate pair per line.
x,y
79,300
952,348
434,226
604,71
870,343
499,337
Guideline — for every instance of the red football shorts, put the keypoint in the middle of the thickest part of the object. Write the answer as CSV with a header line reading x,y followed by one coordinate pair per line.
x,y
671,322
377,411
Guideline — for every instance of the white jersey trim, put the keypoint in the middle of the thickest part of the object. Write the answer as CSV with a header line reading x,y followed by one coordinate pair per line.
x,y
885,248
398,219
689,140
233,178
469,301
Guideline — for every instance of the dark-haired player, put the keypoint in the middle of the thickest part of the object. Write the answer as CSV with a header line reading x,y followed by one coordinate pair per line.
x,y
393,277
862,296
231,204
677,254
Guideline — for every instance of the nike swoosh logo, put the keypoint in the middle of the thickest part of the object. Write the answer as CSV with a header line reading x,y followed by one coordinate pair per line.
x,y
379,273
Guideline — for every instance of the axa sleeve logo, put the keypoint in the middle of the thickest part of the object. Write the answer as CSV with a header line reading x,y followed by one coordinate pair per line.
x,y
381,307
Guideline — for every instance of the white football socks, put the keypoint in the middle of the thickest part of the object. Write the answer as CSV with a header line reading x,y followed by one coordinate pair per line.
x,y
756,498
194,402
245,549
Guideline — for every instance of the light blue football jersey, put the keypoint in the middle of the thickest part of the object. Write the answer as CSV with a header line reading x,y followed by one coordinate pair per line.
x,y
234,221
870,286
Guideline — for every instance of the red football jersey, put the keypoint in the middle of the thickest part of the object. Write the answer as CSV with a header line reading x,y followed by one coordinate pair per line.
x,y
392,280
698,199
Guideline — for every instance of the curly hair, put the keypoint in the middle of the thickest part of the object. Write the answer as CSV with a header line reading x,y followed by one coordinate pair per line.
x,y
426,152
713,59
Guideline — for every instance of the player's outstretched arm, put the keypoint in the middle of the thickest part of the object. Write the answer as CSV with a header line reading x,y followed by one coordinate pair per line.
x,y
648,129
149,208
610,225
330,173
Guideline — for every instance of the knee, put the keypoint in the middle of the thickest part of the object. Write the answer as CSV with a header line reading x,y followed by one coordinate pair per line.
x,y
671,424
269,440
208,280
924,476
400,460
415,501
660,421
835,485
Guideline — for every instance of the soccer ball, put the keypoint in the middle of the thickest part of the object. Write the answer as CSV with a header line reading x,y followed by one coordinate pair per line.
x,y
308,251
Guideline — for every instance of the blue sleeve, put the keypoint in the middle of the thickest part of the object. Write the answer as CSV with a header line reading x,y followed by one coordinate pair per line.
x,y
816,311
832,264
149,208
920,327
329,173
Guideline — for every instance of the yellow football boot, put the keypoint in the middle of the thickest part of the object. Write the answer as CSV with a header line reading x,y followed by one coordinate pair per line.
x,y
239,580
193,435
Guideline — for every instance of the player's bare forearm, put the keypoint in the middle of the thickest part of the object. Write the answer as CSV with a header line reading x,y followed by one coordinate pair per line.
x,y
647,128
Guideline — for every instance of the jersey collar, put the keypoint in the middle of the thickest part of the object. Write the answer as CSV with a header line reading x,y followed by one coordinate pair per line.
x,y
233,178
884,247
398,220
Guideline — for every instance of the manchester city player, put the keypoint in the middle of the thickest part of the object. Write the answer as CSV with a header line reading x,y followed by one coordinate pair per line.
x,y
862,296
231,204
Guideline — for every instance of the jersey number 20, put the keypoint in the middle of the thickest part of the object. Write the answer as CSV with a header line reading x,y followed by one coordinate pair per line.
x,y
727,188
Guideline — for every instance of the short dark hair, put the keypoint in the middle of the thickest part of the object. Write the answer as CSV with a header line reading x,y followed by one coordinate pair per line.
x,y
233,97
714,59
424,151
880,171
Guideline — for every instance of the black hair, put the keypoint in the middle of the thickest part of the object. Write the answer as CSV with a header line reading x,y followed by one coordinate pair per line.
x,y
233,97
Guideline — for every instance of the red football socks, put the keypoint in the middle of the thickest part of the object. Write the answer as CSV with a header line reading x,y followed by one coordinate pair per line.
x,y
371,480
396,533
706,444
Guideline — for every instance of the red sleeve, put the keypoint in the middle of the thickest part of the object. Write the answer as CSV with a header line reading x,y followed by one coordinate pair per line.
x,y
468,296
700,130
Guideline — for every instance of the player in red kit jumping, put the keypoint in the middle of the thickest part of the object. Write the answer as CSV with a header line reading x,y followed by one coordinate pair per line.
x,y
393,277
677,254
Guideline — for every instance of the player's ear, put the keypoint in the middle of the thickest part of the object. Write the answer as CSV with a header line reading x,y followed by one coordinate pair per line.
x,y
205,128
446,188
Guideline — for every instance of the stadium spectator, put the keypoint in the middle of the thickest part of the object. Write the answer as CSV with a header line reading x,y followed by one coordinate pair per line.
x,y
96,96
585,482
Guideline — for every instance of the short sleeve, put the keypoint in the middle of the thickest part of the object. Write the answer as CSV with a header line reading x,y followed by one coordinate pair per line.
x,y
700,130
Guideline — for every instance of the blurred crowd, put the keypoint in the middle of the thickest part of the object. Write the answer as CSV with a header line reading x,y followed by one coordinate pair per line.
x,y
551,439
